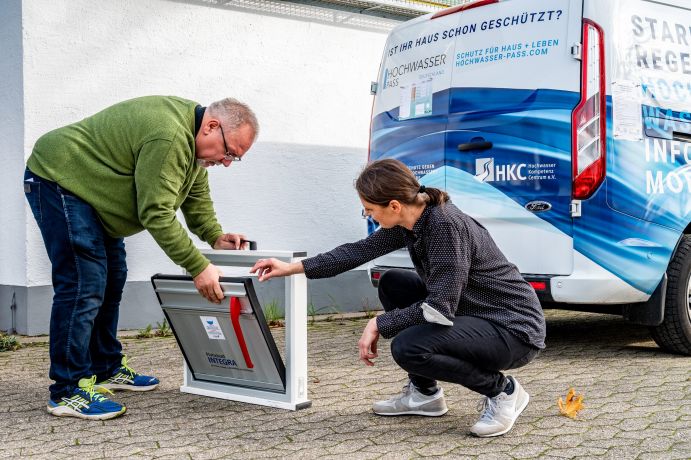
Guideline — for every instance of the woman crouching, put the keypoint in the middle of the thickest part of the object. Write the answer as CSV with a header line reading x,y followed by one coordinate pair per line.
x,y
465,313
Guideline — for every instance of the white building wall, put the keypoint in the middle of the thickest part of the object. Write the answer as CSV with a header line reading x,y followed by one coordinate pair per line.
x,y
12,212
307,80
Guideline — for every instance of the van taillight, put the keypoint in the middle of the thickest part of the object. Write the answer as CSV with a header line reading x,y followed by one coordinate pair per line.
x,y
589,119
375,276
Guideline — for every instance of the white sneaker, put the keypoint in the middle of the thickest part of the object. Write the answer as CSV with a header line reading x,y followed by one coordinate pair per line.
x,y
500,413
412,402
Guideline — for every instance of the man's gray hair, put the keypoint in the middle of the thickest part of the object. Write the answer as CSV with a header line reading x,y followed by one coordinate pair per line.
x,y
234,114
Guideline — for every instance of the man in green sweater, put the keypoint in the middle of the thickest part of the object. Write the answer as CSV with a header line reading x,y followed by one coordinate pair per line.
x,y
125,169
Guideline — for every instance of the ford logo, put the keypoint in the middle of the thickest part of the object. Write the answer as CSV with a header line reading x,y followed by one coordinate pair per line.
x,y
538,206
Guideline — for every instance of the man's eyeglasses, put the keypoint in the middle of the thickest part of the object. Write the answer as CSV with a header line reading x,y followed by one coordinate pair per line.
x,y
228,156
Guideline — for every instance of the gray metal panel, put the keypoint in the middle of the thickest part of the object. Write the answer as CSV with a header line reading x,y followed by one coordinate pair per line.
x,y
208,340
239,258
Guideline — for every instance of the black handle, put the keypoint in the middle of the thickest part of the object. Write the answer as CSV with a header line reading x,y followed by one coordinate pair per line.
x,y
253,244
482,145
679,136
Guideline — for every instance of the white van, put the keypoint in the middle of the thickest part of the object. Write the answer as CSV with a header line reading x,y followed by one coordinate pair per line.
x,y
563,127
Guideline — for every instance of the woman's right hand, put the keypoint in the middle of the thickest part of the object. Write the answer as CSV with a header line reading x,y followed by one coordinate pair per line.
x,y
270,268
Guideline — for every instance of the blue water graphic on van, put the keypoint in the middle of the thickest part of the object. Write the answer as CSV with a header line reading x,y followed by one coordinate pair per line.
x,y
651,179
529,159
635,250
529,132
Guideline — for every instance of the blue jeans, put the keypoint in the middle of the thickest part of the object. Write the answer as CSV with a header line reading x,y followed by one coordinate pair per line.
x,y
472,352
88,273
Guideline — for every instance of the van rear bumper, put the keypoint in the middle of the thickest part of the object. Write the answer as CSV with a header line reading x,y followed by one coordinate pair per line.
x,y
588,282
562,289
586,290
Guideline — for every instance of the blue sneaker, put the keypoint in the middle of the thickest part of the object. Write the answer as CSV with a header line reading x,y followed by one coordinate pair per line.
x,y
125,378
86,402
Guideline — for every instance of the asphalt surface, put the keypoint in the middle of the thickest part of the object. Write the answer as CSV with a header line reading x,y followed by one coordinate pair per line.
x,y
638,405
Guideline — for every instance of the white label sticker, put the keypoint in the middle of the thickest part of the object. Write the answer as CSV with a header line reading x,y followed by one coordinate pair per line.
x,y
212,328
416,100
627,113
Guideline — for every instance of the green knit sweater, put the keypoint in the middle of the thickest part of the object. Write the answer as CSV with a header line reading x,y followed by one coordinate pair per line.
x,y
135,164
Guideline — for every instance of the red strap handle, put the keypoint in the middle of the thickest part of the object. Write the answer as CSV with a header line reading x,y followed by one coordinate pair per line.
x,y
235,308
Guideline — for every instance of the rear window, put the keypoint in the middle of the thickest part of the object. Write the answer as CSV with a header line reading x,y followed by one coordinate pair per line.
x,y
510,44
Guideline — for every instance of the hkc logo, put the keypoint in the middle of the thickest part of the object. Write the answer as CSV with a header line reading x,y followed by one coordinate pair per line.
x,y
487,171
484,169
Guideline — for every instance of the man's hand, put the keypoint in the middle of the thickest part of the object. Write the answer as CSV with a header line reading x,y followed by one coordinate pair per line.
x,y
207,283
231,241
368,342
270,268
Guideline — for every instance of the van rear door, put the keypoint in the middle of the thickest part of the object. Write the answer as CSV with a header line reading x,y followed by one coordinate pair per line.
x,y
411,105
515,83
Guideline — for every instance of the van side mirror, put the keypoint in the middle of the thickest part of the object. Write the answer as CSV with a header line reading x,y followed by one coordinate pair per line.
x,y
373,88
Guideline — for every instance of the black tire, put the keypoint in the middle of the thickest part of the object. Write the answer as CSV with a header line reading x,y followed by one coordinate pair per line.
x,y
674,334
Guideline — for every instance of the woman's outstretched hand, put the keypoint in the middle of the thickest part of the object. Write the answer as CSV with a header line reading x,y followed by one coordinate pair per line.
x,y
368,343
271,268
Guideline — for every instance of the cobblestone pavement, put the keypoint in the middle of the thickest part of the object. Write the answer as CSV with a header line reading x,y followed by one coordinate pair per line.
x,y
638,405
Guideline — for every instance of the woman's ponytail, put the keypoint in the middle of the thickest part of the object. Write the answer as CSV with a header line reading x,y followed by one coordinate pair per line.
x,y
436,196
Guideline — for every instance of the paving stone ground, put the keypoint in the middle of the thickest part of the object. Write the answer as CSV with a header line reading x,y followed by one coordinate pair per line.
x,y
638,405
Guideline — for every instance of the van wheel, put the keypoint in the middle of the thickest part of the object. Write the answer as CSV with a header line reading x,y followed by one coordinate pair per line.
x,y
674,334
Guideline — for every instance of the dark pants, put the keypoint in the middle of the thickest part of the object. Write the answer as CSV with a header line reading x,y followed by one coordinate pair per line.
x,y
471,353
88,274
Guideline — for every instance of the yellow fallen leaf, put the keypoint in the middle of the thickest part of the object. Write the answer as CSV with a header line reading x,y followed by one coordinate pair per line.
x,y
572,405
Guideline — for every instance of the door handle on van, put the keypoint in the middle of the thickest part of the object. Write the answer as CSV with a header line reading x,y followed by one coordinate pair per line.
x,y
481,145
679,136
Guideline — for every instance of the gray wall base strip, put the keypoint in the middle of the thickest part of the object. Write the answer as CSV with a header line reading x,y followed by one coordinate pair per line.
x,y
30,314
346,293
